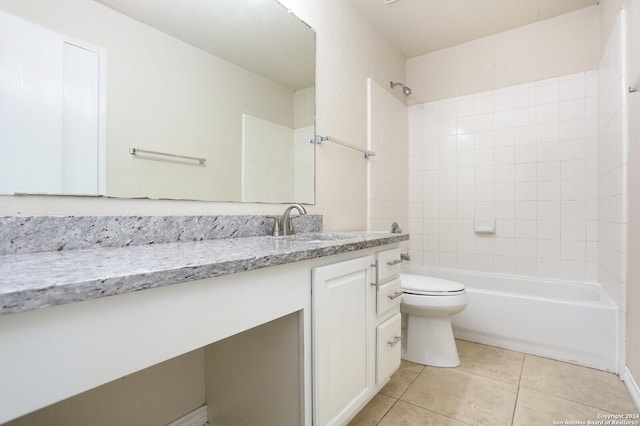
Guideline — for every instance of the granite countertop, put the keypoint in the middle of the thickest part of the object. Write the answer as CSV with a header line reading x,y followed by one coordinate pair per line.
x,y
37,280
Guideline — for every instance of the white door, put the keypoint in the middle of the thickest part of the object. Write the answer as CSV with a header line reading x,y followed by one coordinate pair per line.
x,y
50,112
80,120
340,333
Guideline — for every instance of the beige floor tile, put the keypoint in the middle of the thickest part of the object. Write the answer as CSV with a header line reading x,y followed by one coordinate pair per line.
x,y
373,412
402,378
487,361
587,386
462,396
536,408
403,414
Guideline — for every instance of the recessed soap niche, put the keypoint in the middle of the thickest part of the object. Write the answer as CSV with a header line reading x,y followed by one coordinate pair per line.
x,y
253,377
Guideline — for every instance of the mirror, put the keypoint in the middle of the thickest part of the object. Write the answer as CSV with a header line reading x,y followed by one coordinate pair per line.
x,y
106,88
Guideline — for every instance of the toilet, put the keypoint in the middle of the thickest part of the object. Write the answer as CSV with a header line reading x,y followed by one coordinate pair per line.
x,y
429,303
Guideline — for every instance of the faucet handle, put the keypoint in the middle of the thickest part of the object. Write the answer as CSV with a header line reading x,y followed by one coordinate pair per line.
x,y
276,226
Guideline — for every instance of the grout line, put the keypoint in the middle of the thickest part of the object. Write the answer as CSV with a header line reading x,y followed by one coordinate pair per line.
x,y
387,412
398,398
515,405
435,412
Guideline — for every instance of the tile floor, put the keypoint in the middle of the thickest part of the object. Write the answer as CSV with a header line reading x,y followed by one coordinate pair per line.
x,y
496,387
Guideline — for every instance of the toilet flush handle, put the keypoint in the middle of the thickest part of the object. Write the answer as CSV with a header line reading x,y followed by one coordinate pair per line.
x,y
394,262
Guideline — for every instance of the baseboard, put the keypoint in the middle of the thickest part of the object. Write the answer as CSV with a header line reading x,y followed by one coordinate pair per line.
x,y
632,386
197,417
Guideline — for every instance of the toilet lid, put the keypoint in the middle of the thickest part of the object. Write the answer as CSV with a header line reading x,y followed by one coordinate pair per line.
x,y
423,284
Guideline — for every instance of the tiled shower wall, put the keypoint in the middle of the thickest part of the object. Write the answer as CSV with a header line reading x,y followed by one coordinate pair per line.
x,y
523,155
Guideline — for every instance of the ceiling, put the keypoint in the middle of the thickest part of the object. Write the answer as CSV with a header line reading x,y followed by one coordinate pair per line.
x,y
418,27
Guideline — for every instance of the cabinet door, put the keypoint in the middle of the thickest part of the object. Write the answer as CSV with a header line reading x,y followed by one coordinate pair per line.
x,y
388,348
340,325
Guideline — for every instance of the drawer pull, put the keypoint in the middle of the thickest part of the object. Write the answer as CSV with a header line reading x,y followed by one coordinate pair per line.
x,y
395,341
394,262
395,295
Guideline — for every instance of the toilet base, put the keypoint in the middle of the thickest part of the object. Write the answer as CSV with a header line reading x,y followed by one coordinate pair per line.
x,y
430,342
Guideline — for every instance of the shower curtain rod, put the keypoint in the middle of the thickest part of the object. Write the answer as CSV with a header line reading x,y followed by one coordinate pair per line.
x,y
320,139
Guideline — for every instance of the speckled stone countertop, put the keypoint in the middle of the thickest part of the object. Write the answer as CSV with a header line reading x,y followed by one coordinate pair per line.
x,y
37,280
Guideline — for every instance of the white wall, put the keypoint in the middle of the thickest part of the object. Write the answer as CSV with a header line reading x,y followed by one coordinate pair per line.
x,y
389,176
562,45
524,155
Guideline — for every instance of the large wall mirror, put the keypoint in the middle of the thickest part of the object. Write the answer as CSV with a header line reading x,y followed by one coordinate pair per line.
x,y
165,99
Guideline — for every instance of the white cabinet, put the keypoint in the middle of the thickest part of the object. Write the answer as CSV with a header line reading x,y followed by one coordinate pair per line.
x,y
340,294
356,333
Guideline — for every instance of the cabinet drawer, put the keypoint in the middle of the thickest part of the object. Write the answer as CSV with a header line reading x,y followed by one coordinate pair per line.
x,y
388,264
388,348
389,296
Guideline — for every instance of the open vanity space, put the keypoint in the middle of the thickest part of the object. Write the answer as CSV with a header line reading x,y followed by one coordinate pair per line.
x,y
224,323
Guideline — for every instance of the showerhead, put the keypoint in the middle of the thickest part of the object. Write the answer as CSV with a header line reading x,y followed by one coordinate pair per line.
x,y
405,90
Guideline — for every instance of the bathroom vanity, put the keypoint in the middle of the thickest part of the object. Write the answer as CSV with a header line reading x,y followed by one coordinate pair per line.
x,y
60,335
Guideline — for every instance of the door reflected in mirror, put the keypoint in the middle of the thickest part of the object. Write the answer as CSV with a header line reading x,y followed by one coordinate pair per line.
x,y
229,81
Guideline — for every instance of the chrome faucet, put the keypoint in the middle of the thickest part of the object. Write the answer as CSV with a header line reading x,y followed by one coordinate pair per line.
x,y
283,226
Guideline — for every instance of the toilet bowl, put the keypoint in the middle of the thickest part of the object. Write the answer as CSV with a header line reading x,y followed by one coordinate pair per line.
x,y
429,303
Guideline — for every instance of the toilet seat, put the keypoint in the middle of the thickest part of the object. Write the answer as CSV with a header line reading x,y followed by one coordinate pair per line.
x,y
431,286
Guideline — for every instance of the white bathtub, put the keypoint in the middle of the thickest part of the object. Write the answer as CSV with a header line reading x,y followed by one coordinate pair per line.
x,y
563,320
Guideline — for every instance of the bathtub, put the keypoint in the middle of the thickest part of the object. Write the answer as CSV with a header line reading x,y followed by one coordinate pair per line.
x,y
564,320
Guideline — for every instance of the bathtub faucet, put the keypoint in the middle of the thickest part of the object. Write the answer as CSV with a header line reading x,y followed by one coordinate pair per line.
x,y
405,256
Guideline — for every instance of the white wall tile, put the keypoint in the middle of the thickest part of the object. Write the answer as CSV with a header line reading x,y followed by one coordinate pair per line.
x,y
549,268
524,116
548,210
547,91
528,156
572,88
526,210
549,171
548,249
572,109
548,229
504,264
526,172
484,139
483,103
464,106
526,228
524,95
504,246
504,210
548,151
547,113
504,173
